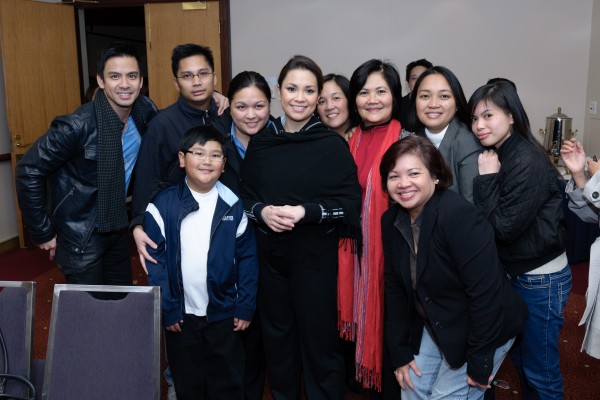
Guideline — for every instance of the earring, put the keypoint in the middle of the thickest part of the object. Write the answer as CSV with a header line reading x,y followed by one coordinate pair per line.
x,y
436,181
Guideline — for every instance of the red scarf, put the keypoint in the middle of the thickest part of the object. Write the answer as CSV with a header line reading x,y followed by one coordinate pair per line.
x,y
360,284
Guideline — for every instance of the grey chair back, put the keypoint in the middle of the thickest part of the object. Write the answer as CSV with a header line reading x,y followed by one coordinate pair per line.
x,y
17,301
103,349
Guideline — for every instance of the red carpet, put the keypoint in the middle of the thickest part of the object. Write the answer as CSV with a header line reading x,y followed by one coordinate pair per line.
x,y
24,264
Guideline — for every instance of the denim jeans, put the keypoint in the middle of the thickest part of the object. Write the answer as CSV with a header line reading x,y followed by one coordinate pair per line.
x,y
440,381
535,353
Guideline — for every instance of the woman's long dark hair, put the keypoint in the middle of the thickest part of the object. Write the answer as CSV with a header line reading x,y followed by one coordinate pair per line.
x,y
391,76
462,112
504,96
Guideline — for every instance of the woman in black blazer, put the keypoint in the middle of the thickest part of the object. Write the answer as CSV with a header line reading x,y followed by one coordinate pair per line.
x,y
451,314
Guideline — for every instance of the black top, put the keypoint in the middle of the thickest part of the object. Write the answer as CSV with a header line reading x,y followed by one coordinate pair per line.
x,y
523,202
312,168
468,300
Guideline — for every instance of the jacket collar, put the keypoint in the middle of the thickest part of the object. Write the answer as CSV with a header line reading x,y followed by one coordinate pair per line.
x,y
313,122
188,200
428,219
450,136
508,145
194,113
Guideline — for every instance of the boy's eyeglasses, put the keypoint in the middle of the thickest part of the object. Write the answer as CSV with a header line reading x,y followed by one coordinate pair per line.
x,y
199,155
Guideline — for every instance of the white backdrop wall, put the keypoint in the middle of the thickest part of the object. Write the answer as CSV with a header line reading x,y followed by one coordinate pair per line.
x,y
542,45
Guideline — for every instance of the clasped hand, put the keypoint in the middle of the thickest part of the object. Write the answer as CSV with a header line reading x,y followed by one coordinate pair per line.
x,y
282,218
488,162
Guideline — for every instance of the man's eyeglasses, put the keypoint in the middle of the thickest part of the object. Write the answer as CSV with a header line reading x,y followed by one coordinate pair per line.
x,y
199,155
188,76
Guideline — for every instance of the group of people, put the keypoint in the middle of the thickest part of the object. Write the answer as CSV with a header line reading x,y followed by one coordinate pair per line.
x,y
426,230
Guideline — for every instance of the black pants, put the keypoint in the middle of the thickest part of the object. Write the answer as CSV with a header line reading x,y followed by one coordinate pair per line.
x,y
206,360
254,384
104,261
298,313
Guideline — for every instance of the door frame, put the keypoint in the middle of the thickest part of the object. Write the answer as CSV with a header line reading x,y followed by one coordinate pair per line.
x,y
225,35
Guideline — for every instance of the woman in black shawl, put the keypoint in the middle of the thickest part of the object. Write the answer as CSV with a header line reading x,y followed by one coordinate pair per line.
x,y
300,187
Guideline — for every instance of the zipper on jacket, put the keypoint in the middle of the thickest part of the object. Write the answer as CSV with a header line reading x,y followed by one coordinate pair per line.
x,y
219,223
178,256
69,193
209,243
183,214
85,242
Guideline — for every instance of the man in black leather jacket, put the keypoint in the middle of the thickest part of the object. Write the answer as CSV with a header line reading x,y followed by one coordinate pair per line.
x,y
83,163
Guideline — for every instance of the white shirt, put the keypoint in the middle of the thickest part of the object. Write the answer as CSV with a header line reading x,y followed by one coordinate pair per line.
x,y
436,138
195,242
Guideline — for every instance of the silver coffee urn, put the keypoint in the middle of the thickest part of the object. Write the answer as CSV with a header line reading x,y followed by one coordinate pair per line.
x,y
558,129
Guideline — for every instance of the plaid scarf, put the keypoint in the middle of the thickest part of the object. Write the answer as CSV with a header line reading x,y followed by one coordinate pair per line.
x,y
112,213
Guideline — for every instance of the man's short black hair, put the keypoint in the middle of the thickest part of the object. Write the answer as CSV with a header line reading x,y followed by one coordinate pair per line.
x,y
188,50
116,49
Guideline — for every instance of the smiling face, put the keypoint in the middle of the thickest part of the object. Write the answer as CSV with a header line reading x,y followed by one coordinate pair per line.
x,y
410,184
299,93
249,111
435,103
204,171
121,83
491,124
374,101
198,90
333,107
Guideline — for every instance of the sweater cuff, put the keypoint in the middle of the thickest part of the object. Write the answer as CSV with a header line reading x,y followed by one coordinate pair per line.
x,y
45,237
257,212
243,313
313,213
481,369
571,186
136,220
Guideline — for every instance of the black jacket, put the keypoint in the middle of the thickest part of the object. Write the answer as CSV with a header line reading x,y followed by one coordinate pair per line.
x,y
64,158
467,297
233,164
523,202
158,162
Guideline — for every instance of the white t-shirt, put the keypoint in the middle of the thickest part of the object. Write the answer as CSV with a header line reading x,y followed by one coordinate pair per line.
x,y
195,242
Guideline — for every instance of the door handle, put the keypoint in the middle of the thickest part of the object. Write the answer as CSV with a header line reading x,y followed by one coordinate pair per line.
x,y
18,142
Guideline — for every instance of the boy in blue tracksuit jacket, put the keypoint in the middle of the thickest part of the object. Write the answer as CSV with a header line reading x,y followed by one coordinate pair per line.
x,y
207,269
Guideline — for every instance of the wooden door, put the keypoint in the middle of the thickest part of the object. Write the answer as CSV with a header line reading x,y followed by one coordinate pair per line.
x,y
171,24
41,72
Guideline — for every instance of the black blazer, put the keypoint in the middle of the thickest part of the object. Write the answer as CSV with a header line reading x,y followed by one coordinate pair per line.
x,y
460,282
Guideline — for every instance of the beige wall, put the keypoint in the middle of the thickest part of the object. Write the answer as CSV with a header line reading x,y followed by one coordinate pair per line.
x,y
592,122
545,46
542,45
8,220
